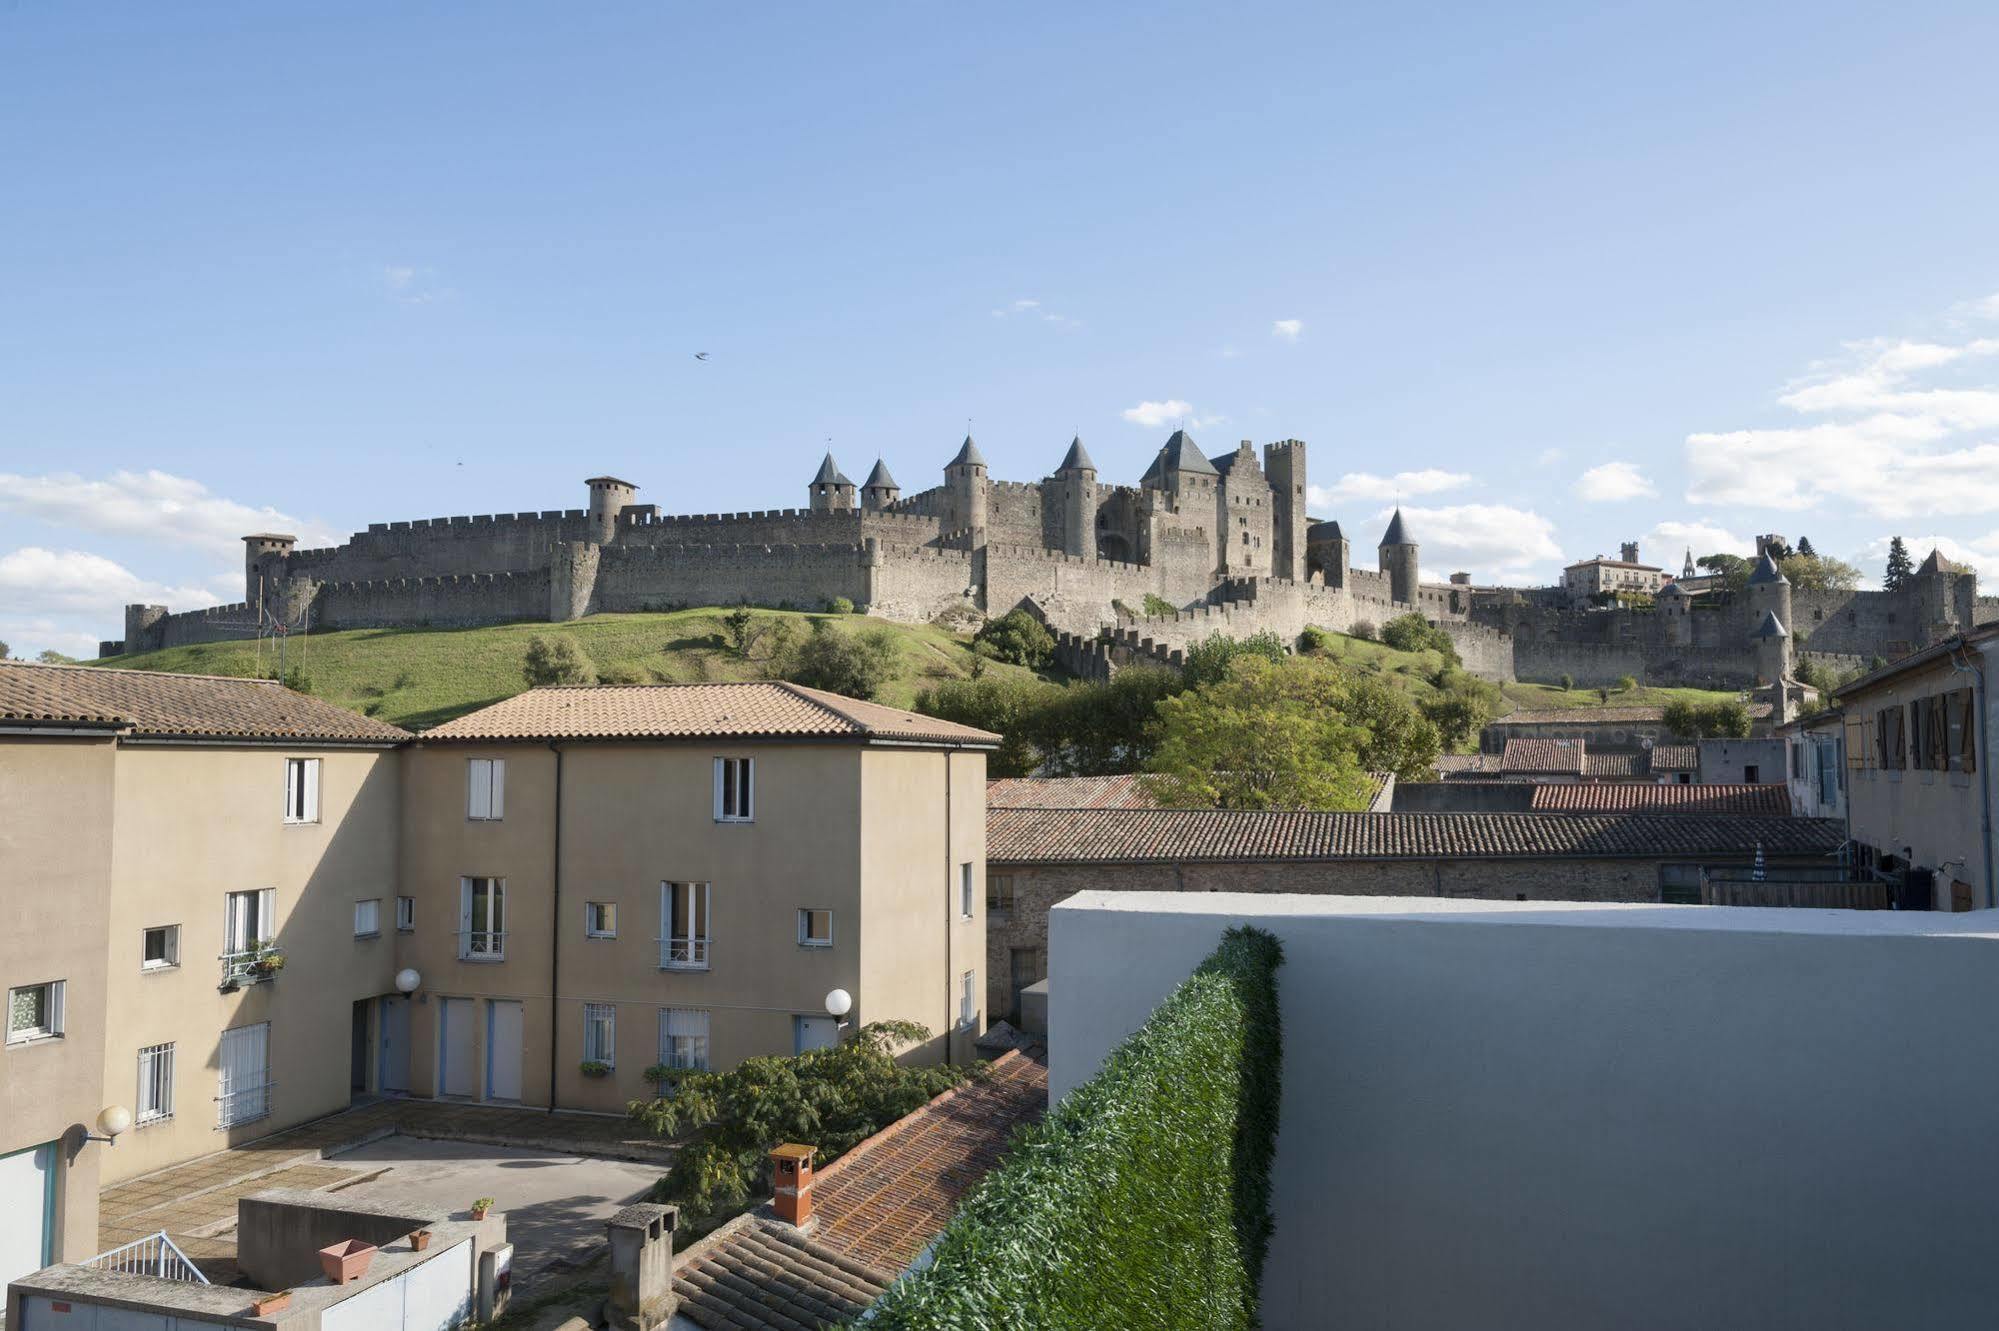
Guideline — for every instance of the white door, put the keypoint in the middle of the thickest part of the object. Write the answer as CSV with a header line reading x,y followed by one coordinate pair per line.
x,y
504,1026
813,1033
27,1204
394,1024
456,1047
242,1089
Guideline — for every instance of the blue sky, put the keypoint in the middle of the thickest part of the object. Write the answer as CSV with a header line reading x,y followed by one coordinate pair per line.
x,y
1556,275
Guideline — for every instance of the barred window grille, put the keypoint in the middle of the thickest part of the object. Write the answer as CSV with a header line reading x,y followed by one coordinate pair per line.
x,y
156,1083
600,1034
683,1038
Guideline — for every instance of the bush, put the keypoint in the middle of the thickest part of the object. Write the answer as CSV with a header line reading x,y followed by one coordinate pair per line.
x,y
1111,1211
554,658
854,664
1156,606
1627,684
1362,629
1208,660
1413,633
1315,640
1568,682
1728,719
1007,706
1019,637
839,605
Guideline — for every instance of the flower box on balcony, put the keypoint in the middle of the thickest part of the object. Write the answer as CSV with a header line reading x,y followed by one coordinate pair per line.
x,y
346,1261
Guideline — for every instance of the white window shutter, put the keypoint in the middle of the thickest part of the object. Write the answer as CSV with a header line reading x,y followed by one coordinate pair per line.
x,y
312,790
267,914
291,787
464,909
496,914
721,776
497,797
478,789
232,922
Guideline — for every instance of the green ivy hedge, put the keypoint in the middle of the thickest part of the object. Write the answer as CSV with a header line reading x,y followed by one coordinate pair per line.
x,y
1143,1199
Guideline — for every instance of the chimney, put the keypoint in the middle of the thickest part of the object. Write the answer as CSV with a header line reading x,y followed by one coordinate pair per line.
x,y
641,1242
791,1178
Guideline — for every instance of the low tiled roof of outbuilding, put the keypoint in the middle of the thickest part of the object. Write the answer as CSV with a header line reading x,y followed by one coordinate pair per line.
x,y
1069,792
754,711
163,704
1612,765
758,1274
1556,756
1467,764
1676,757
1662,797
1139,836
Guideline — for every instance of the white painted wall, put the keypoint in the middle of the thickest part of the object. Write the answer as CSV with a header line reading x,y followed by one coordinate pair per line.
x,y
1597,1116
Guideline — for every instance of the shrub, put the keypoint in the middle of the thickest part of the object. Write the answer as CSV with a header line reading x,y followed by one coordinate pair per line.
x,y
623,674
294,679
839,605
1143,1198
1568,682
554,658
1019,637
1363,629
1728,719
1159,605
1208,660
1315,640
854,664
1413,633
1008,706
1627,684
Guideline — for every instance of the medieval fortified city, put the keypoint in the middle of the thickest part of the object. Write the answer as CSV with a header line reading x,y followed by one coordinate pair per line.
x,y
1526,859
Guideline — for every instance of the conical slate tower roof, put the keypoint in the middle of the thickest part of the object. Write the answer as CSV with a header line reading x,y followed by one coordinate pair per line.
x,y
1397,533
1766,571
879,479
1077,458
968,455
1326,529
830,473
1769,627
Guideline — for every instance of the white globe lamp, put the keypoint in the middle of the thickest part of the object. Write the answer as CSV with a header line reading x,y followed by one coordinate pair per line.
x,y
407,981
113,1121
839,1002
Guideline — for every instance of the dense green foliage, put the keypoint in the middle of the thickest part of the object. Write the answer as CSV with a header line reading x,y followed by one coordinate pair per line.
x,y
1090,728
1711,720
1463,705
858,665
1019,637
1143,1199
1315,640
1156,606
1900,567
554,658
832,1098
1819,573
1413,633
1208,660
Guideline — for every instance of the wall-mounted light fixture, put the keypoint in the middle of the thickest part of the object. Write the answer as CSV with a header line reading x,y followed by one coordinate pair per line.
x,y
838,1004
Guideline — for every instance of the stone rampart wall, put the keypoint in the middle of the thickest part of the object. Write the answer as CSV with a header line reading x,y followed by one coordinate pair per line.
x,y
667,577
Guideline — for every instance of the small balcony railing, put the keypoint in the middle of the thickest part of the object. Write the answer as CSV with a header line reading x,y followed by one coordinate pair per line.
x,y
154,1255
683,954
482,944
252,965
244,1105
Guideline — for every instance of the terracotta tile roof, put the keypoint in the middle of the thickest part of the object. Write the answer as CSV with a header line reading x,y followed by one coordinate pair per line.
x,y
1613,765
1142,836
1670,797
156,703
1451,765
1553,756
1068,792
1590,716
1676,757
752,711
884,1201
757,1274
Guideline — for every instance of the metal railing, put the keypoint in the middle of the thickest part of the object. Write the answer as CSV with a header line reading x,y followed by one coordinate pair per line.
x,y
683,954
154,1255
247,1105
482,944
253,964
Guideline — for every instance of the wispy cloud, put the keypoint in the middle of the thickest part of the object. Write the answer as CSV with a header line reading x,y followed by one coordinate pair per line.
x,y
1365,485
154,506
1173,411
1287,330
1667,543
69,599
1613,481
1493,541
1032,309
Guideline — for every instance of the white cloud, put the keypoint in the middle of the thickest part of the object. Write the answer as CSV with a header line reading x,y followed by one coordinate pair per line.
x,y
1613,481
152,506
1886,431
1369,486
1287,330
1988,308
1032,309
69,599
1982,553
1667,543
1172,411
1494,541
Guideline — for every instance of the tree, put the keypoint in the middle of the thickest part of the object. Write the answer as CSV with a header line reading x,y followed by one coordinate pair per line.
x,y
1805,547
5,652
1728,719
1395,736
554,658
1008,705
1627,684
1819,573
1731,570
856,665
1461,708
1019,637
744,630
1208,660
1268,735
1413,633
50,656
1106,728
1900,568
834,1098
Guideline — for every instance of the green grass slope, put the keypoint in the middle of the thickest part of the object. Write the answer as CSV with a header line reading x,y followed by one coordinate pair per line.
x,y
421,677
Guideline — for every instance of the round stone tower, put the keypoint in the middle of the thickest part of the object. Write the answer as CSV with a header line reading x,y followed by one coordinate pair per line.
x,y
880,489
831,491
1076,480
1770,604
608,497
264,556
965,492
1676,608
1398,560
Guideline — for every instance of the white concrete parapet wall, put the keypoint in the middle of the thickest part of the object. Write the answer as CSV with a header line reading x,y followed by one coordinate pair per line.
x,y
1642,1117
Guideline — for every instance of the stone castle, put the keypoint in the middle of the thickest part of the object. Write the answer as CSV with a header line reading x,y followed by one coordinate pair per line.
x,y
1198,546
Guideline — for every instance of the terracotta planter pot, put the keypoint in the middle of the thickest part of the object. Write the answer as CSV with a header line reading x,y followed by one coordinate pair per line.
x,y
266,1304
420,1239
481,1212
346,1261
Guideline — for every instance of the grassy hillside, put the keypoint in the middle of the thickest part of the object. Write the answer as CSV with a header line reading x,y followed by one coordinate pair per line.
x,y
423,677
1547,697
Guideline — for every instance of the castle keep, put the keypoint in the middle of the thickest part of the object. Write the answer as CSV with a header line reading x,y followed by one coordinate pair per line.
x,y
1224,541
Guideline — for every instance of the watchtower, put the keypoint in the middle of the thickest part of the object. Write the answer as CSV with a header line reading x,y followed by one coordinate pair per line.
x,y
831,491
965,493
1284,464
1076,482
1397,558
1326,552
879,490
608,497
264,556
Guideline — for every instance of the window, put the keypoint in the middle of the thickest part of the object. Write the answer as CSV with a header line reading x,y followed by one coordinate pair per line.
x,y
405,915
965,891
999,891
482,919
34,1012
301,790
159,948
683,918
249,924
968,1001
243,1083
600,919
486,789
735,782
815,928
600,1034
156,1084
683,1038
1750,774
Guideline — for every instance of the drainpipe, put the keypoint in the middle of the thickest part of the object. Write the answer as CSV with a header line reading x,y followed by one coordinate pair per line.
x,y
950,890
555,934
1977,674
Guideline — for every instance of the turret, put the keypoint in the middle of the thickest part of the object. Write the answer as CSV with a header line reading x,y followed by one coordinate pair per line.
x,y
1628,552
1770,603
608,497
1772,644
1676,609
1397,559
965,493
1184,473
1326,552
264,556
880,489
831,491
1075,486
1284,464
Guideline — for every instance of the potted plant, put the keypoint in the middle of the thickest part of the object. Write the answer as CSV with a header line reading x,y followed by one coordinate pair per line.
x,y
268,962
346,1261
419,1239
592,1068
266,1304
481,1208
